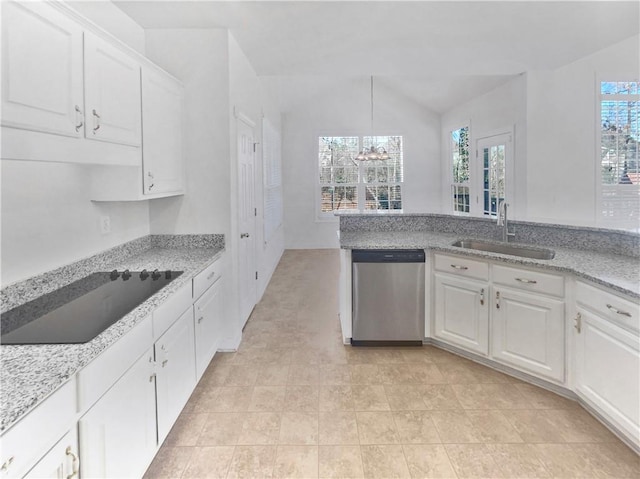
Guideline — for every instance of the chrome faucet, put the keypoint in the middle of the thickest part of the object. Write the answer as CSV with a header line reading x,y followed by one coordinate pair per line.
x,y
502,221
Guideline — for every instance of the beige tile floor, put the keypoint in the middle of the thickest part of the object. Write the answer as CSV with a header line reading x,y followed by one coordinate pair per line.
x,y
295,402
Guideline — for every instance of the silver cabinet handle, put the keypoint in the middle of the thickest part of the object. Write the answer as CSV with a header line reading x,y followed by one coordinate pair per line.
x,y
482,297
527,281
244,235
211,275
578,323
79,118
7,463
457,266
497,299
164,363
96,121
150,175
200,319
74,463
151,378
618,311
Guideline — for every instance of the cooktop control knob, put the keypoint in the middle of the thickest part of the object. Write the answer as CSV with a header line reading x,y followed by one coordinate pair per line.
x,y
114,275
155,275
126,274
144,274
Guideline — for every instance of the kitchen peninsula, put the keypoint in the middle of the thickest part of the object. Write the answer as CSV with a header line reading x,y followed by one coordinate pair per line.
x,y
570,324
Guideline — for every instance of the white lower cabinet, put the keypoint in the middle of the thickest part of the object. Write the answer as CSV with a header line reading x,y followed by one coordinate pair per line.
x,y
528,332
61,462
607,366
175,372
208,318
118,434
462,313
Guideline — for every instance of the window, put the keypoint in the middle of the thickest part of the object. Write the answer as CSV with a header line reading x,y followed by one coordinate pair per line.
x,y
348,184
619,162
460,166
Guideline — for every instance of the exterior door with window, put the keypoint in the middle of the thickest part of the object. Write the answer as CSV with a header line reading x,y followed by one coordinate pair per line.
x,y
247,272
493,163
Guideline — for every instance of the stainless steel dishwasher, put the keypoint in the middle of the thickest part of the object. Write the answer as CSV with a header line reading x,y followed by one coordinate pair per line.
x,y
388,297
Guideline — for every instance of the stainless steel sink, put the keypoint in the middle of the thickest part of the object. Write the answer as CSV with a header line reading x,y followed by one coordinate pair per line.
x,y
504,248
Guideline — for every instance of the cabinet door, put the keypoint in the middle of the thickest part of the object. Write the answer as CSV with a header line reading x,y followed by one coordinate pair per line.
x,y
41,69
161,133
209,315
462,313
118,434
61,462
528,332
176,371
608,371
112,93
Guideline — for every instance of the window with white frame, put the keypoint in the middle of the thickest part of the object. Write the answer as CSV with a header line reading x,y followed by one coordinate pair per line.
x,y
619,160
460,169
348,184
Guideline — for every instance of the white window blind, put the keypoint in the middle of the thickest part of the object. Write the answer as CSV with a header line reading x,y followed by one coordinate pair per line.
x,y
272,172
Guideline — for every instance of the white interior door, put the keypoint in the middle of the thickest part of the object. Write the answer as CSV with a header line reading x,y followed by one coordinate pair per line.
x,y
247,275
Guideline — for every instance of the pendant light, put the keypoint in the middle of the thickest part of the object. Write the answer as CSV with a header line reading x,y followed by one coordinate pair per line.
x,y
372,153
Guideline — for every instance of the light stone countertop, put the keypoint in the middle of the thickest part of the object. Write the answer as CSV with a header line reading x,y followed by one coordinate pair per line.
x,y
30,373
620,273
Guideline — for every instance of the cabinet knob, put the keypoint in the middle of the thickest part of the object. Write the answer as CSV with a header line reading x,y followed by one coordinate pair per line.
x,y
244,235
152,377
497,299
164,363
151,184
200,319
75,463
482,297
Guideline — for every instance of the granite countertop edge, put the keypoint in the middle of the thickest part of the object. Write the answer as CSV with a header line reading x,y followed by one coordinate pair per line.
x,y
616,272
30,373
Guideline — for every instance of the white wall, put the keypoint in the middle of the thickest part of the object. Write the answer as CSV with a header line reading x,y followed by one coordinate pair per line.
x,y
344,109
561,121
49,221
501,109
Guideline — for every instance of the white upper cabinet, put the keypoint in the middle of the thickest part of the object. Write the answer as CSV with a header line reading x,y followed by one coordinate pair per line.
x,y
162,99
112,93
41,69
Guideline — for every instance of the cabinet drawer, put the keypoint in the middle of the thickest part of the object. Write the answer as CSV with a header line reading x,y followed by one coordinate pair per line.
x,y
462,266
619,310
28,440
206,278
168,312
528,280
101,373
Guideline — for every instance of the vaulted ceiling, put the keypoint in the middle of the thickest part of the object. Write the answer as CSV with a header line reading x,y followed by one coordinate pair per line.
x,y
429,50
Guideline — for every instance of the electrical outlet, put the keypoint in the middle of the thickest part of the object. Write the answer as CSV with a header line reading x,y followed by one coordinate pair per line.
x,y
105,225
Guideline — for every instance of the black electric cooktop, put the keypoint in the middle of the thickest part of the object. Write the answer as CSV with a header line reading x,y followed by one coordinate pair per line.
x,y
80,311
